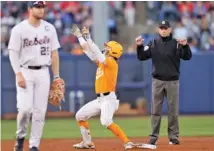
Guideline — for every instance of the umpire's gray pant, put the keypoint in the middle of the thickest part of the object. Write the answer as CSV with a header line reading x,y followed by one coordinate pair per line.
x,y
170,89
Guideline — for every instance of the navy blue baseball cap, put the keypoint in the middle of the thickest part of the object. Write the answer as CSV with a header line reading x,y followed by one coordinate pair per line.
x,y
165,24
32,4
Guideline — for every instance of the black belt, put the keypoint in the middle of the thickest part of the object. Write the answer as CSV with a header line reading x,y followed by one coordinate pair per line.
x,y
34,67
99,94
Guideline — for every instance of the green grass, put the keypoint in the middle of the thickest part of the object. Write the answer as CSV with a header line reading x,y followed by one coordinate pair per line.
x,y
134,127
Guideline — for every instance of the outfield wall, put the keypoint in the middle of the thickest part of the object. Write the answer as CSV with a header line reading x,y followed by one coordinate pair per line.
x,y
134,81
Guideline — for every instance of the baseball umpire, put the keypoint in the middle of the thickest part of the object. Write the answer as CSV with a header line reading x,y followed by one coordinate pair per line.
x,y
165,53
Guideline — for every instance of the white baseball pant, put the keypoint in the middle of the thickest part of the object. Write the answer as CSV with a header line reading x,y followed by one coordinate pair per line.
x,y
103,105
33,101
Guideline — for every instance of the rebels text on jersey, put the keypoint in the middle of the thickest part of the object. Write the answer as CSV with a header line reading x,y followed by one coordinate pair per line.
x,y
34,44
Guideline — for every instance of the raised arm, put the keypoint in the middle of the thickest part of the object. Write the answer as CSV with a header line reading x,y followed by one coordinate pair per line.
x,y
86,48
143,52
93,47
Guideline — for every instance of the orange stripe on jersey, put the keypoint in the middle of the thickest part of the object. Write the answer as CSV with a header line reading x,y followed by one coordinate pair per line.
x,y
106,76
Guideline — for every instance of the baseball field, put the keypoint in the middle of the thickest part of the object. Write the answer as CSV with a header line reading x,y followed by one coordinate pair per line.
x,y
197,134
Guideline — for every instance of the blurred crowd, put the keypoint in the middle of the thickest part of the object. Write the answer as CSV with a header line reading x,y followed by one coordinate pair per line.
x,y
191,20
62,15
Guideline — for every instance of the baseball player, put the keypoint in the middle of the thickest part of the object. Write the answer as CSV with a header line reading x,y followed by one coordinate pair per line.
x,y
105,84
33,46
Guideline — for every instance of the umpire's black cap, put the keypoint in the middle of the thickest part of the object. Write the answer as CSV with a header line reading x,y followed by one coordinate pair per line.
x,y
32,4
165,24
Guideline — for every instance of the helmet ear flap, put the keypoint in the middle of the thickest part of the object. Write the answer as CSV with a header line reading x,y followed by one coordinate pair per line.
x,y
116,49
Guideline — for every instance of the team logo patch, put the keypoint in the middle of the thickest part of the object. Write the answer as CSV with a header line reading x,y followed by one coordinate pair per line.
x,y
163,22
146,48
99,73
46,28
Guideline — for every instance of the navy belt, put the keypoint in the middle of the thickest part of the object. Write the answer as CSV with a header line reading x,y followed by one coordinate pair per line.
x,y
99,94
34,67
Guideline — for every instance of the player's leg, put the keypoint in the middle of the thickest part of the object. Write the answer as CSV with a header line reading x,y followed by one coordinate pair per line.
x,y
41,92
172,89
87,111
109,105
24,106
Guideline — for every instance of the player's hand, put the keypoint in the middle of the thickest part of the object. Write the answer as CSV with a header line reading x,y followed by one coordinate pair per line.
x,y
21,81
86,33
139,41
183,42
76,31
85,30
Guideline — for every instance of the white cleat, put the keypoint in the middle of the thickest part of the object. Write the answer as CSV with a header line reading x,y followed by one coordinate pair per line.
x,y
130,145
83,145
147,146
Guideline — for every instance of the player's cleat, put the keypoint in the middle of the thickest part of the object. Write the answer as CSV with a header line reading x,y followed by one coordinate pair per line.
x,y
84,145
130,145
147,146
34,149
19,144
174,142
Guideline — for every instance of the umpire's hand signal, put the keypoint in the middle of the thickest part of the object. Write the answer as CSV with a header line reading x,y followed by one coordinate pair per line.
x,y
139,41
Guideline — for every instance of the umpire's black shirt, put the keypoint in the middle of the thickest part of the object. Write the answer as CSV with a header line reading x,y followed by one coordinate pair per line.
x,y
165,53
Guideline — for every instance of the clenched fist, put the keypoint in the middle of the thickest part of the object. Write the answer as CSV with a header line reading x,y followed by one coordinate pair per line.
x,y
139,41
183,42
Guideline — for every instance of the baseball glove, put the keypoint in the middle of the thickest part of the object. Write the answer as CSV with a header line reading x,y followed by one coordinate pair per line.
x,y
56,94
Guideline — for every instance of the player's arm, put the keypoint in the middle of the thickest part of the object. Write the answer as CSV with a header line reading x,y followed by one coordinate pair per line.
x,y
54,54
93,47
86,49
55,63
14,48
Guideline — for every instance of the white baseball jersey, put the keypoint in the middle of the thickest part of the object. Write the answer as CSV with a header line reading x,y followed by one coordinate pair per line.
x,y
34,44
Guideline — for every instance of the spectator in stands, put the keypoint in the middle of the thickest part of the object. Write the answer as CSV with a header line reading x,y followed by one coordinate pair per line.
x,y
193,45
199,9
113,31
205,32
180,30
153,8
210,46
192,26
129,13
185,8
168,11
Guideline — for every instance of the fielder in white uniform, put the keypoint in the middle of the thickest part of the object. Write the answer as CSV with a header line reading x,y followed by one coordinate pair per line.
x,y
33,46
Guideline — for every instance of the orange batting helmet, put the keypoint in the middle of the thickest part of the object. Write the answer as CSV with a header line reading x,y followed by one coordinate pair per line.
x,y
116,50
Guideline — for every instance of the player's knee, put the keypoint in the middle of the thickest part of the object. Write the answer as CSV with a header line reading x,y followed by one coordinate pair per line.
x,y
39,115
25,112
106,122
80,116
